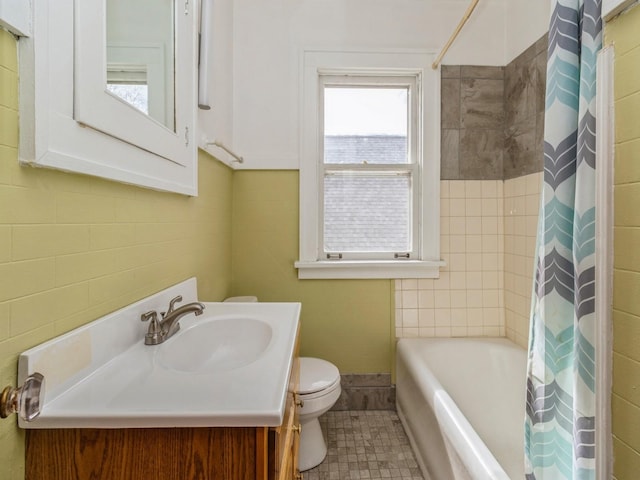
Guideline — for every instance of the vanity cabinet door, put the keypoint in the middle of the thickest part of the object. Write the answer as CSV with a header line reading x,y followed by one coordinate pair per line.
x,y
144,453
284,440
295,473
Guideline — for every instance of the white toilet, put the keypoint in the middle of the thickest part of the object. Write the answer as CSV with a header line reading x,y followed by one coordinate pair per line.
x,y
319,391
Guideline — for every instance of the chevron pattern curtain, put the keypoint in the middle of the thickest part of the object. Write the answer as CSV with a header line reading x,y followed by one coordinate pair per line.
x,y
560,417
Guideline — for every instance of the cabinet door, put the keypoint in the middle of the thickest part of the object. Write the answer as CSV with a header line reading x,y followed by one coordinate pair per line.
x,y
280,444
295,447
285,439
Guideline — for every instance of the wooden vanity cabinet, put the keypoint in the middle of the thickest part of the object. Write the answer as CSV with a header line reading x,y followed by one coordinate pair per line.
x,y
221,453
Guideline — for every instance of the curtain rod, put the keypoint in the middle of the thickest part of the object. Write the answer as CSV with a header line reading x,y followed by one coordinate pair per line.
x,y
464,19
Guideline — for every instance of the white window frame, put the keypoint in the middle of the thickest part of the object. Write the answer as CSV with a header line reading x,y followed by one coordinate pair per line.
x,y
411,83
417,64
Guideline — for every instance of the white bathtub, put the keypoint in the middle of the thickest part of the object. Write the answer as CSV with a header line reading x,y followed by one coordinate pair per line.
x,y
462,403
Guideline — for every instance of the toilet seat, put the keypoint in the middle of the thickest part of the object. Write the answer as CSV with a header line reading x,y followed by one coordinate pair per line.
x,y
317,376
320,393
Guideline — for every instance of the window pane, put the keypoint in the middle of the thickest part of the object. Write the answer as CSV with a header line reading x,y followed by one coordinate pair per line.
x,y
372,149
367,213
365,125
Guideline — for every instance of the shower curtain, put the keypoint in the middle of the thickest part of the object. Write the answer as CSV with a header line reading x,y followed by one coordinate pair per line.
x,y
560,417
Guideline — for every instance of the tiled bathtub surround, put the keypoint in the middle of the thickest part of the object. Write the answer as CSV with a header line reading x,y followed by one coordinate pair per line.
x,y
491,153
467,299
521,205
488,236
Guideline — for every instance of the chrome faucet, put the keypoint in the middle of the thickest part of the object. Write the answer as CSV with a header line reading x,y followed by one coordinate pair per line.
x,y
161,330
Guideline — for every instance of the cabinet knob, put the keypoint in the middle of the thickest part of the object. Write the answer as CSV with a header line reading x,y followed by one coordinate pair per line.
x,y
26,400
299,476
297,428
299,402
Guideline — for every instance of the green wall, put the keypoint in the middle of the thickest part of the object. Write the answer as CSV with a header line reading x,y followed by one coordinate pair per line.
x,y
348,322
622,33
74,248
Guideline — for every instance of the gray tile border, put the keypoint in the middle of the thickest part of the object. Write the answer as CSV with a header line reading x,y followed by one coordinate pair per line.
x,y
450,71
366,398
542,44
520,150
450,102
541,81
481,71
481,103
368,391
450,154
494,102
481,154
527,55
539,142
365,379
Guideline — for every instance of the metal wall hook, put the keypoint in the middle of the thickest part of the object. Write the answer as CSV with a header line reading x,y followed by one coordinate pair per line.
x,y
222,146
26,400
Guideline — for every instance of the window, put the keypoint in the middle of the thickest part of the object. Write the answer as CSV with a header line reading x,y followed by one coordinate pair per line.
x,y
369,168
369,173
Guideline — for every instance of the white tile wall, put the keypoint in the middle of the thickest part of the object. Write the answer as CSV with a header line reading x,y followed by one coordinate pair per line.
x,y
521,206
468,298
488,234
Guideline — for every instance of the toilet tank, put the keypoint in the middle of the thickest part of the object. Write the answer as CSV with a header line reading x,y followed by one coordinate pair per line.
x,y
244,299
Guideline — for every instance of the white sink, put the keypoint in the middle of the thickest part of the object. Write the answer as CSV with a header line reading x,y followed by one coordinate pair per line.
x,y
227,367
215,345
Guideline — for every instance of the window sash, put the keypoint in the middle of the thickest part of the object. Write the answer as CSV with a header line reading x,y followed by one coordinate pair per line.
x,y
350,252
377,81
412,169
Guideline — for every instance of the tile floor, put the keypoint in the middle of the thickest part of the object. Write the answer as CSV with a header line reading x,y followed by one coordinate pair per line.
x,y
365,445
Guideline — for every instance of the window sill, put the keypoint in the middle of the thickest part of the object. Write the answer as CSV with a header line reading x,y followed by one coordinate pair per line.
x,y
351,269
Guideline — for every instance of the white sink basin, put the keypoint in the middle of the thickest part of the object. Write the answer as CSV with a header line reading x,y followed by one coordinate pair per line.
x,y
215,345
228,367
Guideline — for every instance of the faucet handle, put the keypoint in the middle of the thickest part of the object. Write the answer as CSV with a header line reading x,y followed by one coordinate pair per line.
x,y
154,334
151,315
154,326
172,305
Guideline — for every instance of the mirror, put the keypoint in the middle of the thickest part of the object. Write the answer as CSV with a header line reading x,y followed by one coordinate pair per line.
x,y
140,56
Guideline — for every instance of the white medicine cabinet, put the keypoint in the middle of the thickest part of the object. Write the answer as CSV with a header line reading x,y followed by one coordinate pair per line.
x,y
109,88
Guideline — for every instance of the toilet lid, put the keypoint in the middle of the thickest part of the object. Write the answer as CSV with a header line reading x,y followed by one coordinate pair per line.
x,y
246,299
316,374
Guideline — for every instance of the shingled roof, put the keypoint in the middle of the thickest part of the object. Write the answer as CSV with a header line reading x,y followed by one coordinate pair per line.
x,y
369,148
368,212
